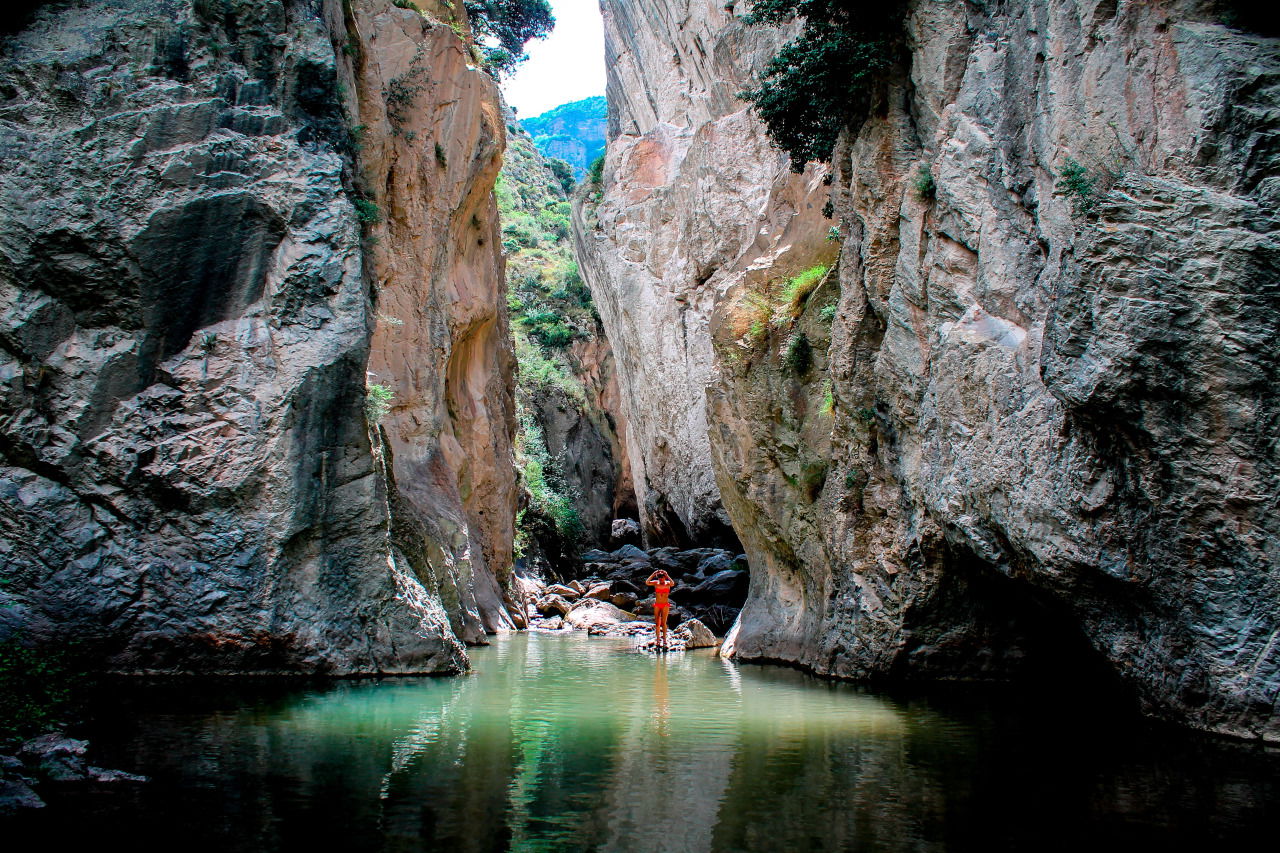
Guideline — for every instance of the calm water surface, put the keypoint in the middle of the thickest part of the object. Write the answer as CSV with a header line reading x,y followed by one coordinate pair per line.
x,y
568,743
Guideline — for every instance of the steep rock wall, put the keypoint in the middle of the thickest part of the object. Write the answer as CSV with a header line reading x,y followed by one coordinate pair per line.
x,y
1054,415
693,197
189,483
431,148
1031,427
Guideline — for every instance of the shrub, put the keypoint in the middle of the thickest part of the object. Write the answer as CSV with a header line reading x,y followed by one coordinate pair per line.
x,y
36,686
797,289
367,211
924,184
827,314
1075,182
818,81
799,356
563,172
442,159
595,174
377,402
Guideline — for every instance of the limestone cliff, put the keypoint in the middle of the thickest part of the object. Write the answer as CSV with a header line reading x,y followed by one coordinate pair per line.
x,y
693,197
1032,418
191,307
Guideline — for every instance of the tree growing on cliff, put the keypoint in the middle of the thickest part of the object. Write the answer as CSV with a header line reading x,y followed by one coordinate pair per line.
x,y
506,26
822,79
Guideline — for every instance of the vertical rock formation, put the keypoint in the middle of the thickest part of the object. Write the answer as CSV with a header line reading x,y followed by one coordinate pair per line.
x,y
693,198
431,148
189,482
1035,418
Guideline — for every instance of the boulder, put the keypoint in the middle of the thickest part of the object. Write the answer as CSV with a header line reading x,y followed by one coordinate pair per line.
x,y
552,623
567,592
631,553
110,777
624,600
696,635
600,591
553,605
624,531
17,796
578,587
56,757
728,587
597,616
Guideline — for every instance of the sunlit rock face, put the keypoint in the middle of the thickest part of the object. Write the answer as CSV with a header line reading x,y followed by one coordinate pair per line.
x,y
1035,428
693,198
430,151
190,483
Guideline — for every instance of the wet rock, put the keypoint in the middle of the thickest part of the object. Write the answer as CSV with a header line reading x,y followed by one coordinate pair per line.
x,y
553,604
17,796
551,623
568,593
597,616
696,635
112,777
56,758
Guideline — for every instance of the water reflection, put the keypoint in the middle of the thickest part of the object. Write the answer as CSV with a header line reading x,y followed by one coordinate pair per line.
x,y
562,743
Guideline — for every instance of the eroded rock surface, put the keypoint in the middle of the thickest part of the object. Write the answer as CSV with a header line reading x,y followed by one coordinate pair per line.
x,y
189,482
1031,425
693,197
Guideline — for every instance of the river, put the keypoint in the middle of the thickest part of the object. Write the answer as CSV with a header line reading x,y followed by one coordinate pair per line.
x,y
562,743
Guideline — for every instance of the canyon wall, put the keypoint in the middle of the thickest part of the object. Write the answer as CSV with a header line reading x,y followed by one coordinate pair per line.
x,y
693,197
198,280
1033,421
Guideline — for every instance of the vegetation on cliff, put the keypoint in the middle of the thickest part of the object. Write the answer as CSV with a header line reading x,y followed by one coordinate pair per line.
x,y
821,80
550,309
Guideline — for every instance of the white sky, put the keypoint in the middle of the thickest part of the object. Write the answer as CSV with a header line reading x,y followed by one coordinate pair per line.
x,y
567,66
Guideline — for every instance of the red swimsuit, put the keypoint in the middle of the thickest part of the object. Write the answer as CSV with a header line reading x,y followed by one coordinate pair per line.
x,y
661,590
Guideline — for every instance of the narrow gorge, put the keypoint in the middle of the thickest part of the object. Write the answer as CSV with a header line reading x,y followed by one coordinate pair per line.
x,y
928,346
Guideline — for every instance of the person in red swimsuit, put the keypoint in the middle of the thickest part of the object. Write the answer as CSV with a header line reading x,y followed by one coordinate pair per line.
x,y
662,584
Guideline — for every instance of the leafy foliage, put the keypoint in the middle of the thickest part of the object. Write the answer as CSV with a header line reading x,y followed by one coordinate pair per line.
x,y
544,482
507,25
926,188
818,82
367,211
1075,182
563,172
596,173
797,289
36,688
377,402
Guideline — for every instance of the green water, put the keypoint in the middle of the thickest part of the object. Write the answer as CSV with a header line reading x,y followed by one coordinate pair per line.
x,y
569,743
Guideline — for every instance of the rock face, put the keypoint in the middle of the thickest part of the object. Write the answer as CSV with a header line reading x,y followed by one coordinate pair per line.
x,y
431,149
1034,427
189,481
693,197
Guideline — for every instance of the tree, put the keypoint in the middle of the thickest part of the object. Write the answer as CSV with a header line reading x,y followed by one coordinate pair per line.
x,y
507,26
563,172
821,79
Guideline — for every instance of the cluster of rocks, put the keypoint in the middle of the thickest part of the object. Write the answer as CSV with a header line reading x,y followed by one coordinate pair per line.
x,y
711,583
53,760
611,598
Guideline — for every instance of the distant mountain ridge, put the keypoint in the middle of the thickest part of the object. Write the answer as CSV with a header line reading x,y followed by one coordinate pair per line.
x,y
574,132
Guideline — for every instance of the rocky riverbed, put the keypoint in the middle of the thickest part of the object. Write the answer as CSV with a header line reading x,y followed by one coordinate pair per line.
x,y
610,596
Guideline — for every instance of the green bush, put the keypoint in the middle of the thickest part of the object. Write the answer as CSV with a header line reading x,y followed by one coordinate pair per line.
x,y
36,688
799,356
821,79
367,211
1075,182
926,188
827,314
797,289
377,402
563,172
595,174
